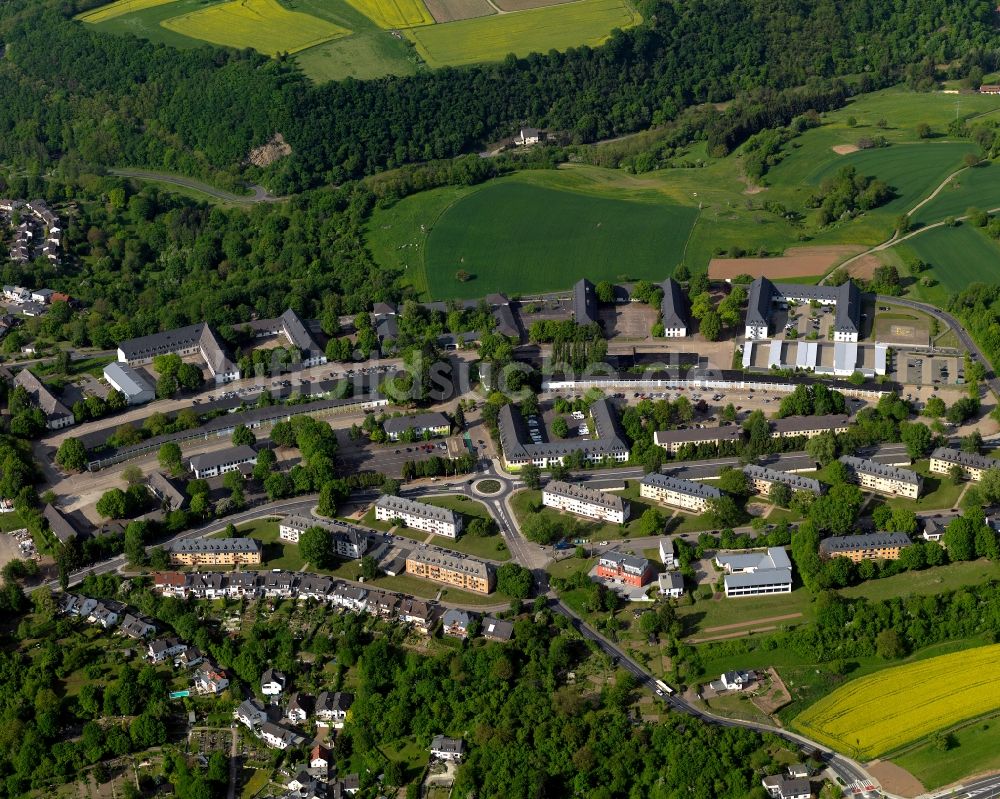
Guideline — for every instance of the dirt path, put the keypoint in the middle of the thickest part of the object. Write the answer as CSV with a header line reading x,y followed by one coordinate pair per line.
x,y
749,623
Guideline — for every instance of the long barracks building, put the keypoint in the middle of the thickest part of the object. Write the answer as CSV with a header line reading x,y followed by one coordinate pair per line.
x,y
583,501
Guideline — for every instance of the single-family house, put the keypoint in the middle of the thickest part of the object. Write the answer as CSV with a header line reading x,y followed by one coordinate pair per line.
x,y
272,682
331,708
444,748
250,713
456,623
210,680
299,707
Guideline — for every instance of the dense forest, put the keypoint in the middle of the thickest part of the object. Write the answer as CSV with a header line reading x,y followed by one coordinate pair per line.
x,y
114,100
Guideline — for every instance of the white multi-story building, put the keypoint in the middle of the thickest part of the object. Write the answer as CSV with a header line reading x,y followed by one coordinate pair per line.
x,y
667,553
212,464
756,573
882,478
583,501
684,494
973,465
419,515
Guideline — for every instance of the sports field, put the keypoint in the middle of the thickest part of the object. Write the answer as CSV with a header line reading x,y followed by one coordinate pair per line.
x,y
882,712
959,255
117,9
514,236
264,25
392,14
471,41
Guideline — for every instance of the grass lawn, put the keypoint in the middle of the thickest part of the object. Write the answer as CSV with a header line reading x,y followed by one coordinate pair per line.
x,y
10,521
471,41
255,783
737,706
426,589
525,500
689,523
938,492
491,547
277,554
976,749
929,581
704,614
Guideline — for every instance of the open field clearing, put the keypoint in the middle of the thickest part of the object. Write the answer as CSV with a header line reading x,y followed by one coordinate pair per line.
x,y
264,25
975,750
884,711
523,5
391,14
509,235
796,262
118,9
959,255
978,187
361,56
472,41
452,10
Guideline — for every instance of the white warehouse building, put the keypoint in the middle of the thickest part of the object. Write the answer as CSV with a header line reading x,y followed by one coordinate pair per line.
x,y
122,377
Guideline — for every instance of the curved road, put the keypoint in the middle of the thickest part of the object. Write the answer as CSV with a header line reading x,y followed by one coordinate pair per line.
x,y
260,194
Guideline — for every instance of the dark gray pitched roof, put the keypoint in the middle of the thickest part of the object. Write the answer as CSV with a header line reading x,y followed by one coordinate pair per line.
x,y
584,302
673,307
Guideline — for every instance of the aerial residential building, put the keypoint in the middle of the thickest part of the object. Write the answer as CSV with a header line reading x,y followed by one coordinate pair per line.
x,y
685,494
197,339
737,680
212,464
583,501
456,623
331,708
763,480
608,444
272,682
350,542
671,584
215,552
444,748
419,515
870,546
210,680
673,440
250,713
278,737
296,334
933,531
756,573
166,490
779,787
57,415
497,629
668,556
455,570
944,459
59,524
300,707
627,569
673,310
136,627
882,478
585,302
809,426
431,424
764,295
122,377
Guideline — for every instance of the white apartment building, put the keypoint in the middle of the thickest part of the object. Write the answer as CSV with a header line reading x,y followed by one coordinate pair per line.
x,y
684,494
588,502
419,515
884,479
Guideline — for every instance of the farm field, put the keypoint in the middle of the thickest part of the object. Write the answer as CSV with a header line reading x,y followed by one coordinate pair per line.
x,y
452,10
873,715
472,41
978,187
264,25
392,14
497,235
118,9
958,255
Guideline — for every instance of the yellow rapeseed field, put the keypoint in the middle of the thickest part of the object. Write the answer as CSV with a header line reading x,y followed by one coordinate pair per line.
x,y
118,8
874,715
392,14
537,30
264,25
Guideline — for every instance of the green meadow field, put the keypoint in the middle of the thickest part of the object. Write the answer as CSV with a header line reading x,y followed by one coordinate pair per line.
x,y
978,187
